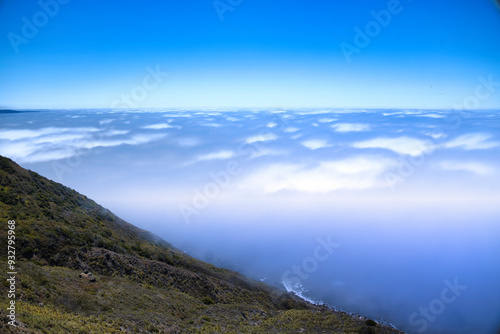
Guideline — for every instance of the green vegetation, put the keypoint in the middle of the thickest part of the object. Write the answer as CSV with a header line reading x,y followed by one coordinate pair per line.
x,y
143,284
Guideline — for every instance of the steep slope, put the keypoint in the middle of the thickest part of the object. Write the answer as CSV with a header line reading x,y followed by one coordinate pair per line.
x,y
142,283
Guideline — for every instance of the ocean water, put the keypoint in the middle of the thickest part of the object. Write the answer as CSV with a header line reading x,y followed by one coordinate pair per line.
x,y
389,214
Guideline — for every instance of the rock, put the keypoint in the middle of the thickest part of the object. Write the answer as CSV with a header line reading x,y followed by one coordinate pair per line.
x,y
88,275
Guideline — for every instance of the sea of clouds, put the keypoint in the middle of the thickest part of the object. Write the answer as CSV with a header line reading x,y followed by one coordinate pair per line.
x,y
409,198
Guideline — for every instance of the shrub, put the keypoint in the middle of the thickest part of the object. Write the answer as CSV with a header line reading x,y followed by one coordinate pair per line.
x,y
207,301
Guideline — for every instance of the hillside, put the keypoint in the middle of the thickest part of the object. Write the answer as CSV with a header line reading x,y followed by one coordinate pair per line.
x,y
141,283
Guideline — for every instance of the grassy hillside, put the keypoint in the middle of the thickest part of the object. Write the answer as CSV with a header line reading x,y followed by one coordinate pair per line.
x,y
143,285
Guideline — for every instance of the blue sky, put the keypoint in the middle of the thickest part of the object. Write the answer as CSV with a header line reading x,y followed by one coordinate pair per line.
x,y
285,53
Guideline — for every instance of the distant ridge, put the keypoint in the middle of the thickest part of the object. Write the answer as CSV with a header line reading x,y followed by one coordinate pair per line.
x,y
11,111
140,283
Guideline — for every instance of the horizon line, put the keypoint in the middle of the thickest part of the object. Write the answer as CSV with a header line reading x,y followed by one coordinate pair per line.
x,y
16,109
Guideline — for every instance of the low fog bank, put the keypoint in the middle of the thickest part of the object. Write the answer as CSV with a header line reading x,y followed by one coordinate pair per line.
x,y
432,270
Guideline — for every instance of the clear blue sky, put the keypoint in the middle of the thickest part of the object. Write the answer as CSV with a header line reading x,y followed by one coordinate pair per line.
x,y
279,53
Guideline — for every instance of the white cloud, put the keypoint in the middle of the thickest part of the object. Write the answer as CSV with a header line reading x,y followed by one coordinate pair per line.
x,y
32,133
188,142
159,126
266,152
351,127
314,112
412,112
221,155
327,120
433,115
435,135
58,138
142,139
271,124
177,115
400,145
291,130
49,155
57,143
315,144
111,133
23,151
17,150
261,137
472,141
105,121
404,112
134,140
355,173
473,167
